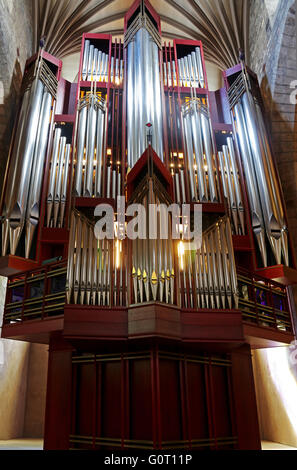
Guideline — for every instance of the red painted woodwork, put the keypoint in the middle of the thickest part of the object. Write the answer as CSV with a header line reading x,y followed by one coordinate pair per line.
x,y
259,337
245,405
34,331
148,157
282,274
154,319
210,325
122,401
10,265
81,321
58,403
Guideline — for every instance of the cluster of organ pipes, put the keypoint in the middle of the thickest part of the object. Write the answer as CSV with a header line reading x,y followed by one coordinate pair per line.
x,y
144,100
90,145
264,194
58,181
96,271
200,152
22,195
96,63
153,272
189,71
208,276
231,186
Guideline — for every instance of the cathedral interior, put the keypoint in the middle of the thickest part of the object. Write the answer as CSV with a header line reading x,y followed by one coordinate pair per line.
x,y
148,342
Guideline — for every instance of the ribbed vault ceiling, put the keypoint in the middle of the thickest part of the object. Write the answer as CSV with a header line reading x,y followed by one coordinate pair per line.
x,y
222,25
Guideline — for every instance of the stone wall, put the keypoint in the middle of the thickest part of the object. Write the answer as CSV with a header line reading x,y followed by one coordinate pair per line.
x,y
15,48
14,356
22,367
273,58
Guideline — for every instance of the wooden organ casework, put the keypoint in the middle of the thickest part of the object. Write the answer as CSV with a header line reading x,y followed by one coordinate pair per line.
x,y
149,343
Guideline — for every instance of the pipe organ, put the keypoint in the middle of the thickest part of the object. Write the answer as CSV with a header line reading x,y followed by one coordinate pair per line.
x,y
134,317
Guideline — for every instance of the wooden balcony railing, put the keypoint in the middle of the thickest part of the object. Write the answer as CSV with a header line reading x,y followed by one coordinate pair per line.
x,y
36,294
263,302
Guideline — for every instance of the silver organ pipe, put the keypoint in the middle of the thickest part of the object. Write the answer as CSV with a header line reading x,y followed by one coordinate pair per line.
x,y
95,64
52,177
25,175
200,67
90,62
174,73
195,68
233,206
33,203
183,80
85,60
251,183
64,187
144,103
57,193
237,185
90,148
99,66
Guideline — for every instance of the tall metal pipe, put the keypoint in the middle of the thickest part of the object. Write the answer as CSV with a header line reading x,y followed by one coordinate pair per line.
x,y
144,104
198,146
95,64
85,60
65,184
251,182
90,62
58,185
238,192
268,202
99,152
33,203
99,66
17,187
53,172
271,171
191,163
81,136
90,148
195,68
233,205
200,67
209,153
